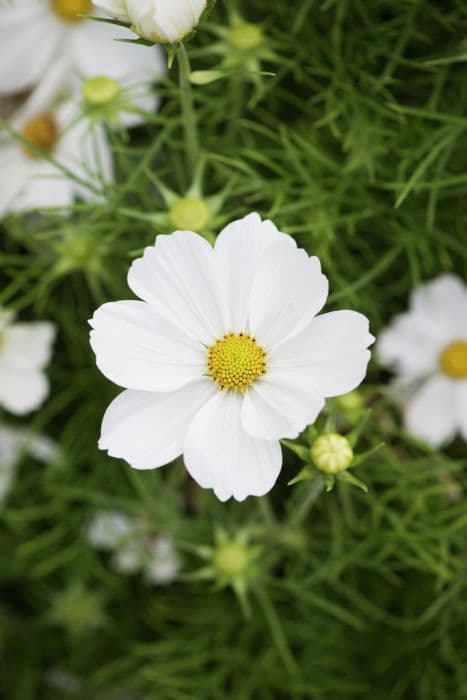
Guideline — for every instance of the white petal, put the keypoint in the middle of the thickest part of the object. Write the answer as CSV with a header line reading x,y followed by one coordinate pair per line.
x,y
97,49
288,291
137,349
461,407
177,277
220,455
431,413
52,82
147,430
43,186
114,8
12,175
29,38
442,307
281,405
331,349
239,249
21,390
408,347
27,346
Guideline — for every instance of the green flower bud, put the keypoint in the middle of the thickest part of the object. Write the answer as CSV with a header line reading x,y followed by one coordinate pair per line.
x,y
351,402
231,559
189,214
100,90
331,453
245,36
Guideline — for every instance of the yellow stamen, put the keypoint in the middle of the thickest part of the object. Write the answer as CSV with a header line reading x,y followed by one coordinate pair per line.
x,y
453,360
236,361
70,10
43,132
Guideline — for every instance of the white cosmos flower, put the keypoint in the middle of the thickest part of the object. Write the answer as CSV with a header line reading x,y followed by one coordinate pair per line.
x,y
45,43
224,356
25,350
29,181
427,348
161,21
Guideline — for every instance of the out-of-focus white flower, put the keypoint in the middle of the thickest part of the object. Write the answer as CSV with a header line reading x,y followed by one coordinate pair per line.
x,y
28,180
25,350
46,43
107,529
225,356
14,442
427,348
162,560
161,21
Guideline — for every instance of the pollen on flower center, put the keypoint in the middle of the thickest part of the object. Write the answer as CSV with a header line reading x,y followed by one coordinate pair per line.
x,y
453,360
42,131
71,10
236,361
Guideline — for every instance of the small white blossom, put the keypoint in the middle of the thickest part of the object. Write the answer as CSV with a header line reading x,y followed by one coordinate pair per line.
x,y
162,560
427,348
225,356
161,21
107,529
25,350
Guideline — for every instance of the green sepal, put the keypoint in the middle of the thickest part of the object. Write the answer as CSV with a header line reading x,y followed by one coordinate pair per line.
x,y
305,474
300,450
349,478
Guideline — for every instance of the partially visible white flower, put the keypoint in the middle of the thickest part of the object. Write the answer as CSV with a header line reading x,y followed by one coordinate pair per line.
x,y
162,560
14,442
161,21
25,350
427,348
29,181
107,529
47,43
225,356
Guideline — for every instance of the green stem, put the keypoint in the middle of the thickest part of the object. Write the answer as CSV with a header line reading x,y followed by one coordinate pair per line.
x,y
306,505
188,110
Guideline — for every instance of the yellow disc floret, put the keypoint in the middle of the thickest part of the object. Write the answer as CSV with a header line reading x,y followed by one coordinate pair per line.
x,y
42,131
236,361
71,10
453,360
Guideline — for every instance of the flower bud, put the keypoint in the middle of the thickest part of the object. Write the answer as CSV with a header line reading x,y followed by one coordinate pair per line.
x,y
331,453
189,214
161,21
245,36
100,90
231,559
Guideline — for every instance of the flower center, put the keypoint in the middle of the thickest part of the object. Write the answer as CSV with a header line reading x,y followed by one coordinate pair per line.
x,y
100,90
70,10
245,36
42,132
453,360
236,361
189,214
231,559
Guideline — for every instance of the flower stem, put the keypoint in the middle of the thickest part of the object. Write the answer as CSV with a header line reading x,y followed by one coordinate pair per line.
x,y
188,110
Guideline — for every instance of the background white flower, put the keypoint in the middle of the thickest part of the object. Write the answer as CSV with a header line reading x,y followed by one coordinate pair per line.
x,y
25,350
162,561
29,181
40,47
225,355
14,442
427,348
162,21
107,529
